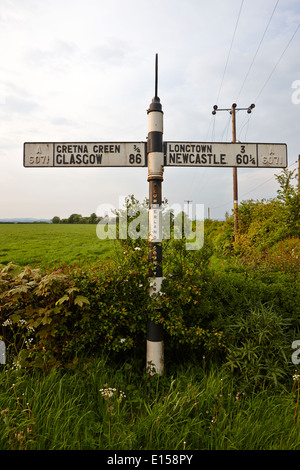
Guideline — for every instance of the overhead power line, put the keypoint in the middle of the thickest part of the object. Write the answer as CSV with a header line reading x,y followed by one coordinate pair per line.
x,y
256,52
235,29
253,189
277,63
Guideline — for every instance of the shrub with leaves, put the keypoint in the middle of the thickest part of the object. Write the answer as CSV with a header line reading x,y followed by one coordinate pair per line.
x,y
42,304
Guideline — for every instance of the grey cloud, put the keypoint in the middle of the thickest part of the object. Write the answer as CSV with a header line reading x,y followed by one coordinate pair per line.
x,y
18,105
60,52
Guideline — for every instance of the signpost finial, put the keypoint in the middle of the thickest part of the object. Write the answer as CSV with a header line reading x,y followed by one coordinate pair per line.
x,y
156,75
155,105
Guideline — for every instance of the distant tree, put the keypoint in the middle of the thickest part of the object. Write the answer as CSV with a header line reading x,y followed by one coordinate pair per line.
x,y
289,197
74,219
93,219
77,219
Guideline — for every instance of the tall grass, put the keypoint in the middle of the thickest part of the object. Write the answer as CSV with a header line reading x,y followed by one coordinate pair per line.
x,y
187,409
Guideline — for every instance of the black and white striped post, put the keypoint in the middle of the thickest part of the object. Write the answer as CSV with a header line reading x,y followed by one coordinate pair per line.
x,y
155,343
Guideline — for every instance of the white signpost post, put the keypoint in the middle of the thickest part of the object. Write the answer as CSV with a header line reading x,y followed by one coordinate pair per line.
x,y
154,154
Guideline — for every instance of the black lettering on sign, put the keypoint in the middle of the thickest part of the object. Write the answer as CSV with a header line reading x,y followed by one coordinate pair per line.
x,y
172,157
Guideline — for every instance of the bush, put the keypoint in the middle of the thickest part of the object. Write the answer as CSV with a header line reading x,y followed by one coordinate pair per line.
x,y
36,312
73,311
230,295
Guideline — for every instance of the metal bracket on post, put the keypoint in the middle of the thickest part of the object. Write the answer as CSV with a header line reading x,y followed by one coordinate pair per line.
x,y
155,344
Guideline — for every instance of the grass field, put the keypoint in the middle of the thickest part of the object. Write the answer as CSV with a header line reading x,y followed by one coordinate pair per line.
x,y
52,244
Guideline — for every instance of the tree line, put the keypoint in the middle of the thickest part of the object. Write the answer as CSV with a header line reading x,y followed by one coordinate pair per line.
x,y
77,219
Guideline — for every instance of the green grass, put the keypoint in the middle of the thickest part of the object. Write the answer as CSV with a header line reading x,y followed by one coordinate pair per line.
x,y
52,244
187,410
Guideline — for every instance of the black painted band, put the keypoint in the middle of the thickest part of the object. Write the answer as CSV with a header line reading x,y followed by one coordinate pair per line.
x,y
154,332
154,143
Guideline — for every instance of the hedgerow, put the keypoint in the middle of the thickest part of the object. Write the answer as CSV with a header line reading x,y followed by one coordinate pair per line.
x,y
52,319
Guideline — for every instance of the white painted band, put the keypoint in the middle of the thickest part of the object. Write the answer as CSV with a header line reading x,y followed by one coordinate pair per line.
x,y
155,164
155,121
155,357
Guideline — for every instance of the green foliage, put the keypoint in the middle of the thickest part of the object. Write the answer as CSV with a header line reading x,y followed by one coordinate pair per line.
x,y
221,236
104,405
289,197
179,304
52,318
283,256
260,346
115,319
230,295
261,224
40,308
77,219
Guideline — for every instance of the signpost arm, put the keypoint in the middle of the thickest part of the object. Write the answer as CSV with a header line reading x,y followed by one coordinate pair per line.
x,y
155,344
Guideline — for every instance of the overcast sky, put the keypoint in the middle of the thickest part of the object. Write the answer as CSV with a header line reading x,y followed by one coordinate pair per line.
x,y
83,71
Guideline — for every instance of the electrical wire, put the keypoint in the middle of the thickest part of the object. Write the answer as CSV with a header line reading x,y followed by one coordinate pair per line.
x,y
245,122
253,189
256,52
235,29
277,63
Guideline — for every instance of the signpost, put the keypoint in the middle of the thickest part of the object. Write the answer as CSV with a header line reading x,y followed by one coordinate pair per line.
x,y
84,154
204,154
154,154
134,154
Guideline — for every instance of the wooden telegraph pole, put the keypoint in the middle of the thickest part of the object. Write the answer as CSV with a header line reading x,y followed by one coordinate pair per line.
x,y
232,111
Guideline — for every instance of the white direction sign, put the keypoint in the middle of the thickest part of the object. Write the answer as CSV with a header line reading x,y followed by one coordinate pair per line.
x,y
84,154
224,154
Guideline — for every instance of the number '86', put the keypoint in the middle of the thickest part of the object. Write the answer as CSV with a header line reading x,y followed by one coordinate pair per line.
x,y
135,158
